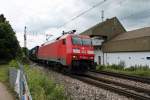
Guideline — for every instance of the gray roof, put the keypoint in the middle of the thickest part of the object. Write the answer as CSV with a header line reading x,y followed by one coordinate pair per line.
x,y
109,28
143,32
136,40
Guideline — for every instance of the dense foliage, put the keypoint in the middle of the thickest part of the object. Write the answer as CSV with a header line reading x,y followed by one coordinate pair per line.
x,y
9,46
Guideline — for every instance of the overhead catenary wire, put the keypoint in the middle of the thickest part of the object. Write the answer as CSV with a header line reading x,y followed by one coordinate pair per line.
x,y
94,6
129,16
97,4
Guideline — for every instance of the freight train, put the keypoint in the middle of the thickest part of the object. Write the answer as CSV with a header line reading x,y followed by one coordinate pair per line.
x,y
71,51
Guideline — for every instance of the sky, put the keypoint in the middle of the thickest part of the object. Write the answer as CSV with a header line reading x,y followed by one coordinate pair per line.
x,y
51,17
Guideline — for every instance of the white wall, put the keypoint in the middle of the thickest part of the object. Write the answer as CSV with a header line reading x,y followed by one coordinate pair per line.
x,y
98,53
130,58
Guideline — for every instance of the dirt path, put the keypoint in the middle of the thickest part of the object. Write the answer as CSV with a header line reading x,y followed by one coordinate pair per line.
x,y
4,94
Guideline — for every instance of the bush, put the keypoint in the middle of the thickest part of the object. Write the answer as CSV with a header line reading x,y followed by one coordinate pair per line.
x,y
121,64
116,67
138,67
25,60
4,73
13,63
100,67
133,70
42,88
145,68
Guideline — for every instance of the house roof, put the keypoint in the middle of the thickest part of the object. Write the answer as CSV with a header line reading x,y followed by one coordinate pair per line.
x,y
109,28
136,40
139,33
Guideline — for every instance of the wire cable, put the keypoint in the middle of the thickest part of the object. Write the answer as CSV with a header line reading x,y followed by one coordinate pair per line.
x,y
94,6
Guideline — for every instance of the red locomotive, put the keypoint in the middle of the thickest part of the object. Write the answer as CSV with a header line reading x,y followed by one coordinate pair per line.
x,y
72,51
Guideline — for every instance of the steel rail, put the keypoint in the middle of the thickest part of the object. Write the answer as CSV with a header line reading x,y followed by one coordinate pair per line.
x,y
130,87
125,76
110,87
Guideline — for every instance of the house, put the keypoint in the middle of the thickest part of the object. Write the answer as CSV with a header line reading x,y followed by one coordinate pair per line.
x,y
103,32
132,48
114,45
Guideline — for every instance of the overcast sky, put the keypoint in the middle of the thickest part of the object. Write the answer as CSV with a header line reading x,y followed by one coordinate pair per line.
x,y
47,16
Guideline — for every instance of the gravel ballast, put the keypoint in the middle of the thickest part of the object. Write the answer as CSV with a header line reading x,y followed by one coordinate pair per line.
x,y
125,81
78,90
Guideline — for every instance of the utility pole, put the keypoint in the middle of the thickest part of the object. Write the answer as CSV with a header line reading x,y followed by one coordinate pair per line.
x,y
102,15
25,37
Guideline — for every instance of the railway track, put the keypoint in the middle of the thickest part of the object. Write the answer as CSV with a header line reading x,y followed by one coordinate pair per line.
x,y
123,89
138,89
125,76
130,91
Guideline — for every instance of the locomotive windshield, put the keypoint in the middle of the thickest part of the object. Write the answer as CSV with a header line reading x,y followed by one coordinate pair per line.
x,y
86,42
79,41
76,40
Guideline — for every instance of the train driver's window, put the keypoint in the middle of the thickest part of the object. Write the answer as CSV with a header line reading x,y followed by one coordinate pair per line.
x,y
64,41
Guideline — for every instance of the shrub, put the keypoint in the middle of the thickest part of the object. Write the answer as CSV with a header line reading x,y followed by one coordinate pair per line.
x,y
100,67
42,88
116,67
145,68
133,70
121,64
4,73
13,63
138,67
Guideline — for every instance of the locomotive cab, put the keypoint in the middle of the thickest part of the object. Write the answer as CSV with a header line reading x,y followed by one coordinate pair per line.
x,y
82,53
73,52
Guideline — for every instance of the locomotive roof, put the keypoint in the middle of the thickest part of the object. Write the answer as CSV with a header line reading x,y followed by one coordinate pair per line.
x,y
63,37
81,36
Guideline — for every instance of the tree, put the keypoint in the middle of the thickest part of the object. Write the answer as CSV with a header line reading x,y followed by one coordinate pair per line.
x,y
9,45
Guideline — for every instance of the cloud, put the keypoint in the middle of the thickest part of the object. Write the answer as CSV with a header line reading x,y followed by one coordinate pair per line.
x,y
46,16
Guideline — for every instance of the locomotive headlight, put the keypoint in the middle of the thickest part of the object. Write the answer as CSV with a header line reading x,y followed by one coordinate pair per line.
x,y
75,50
90,52
74,57
91,57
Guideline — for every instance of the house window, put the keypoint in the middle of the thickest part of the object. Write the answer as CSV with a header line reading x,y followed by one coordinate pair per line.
x,y
148,58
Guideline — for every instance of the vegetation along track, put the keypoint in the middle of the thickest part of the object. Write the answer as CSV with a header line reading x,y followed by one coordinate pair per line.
x,y
125,76
123,89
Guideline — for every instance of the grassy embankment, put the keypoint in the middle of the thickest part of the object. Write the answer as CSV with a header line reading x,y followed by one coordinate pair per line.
x,y
41,86
4,73
4,78
133,70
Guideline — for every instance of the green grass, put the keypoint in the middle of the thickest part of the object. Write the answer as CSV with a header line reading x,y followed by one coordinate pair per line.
x,y
4,78
40,85
4,73
43,88
133,70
